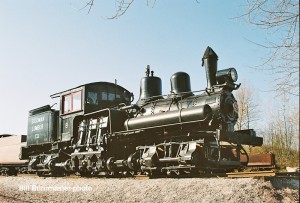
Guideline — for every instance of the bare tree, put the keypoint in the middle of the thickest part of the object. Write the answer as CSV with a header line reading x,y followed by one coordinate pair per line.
x,y
248,107
281,20
282,133
121,6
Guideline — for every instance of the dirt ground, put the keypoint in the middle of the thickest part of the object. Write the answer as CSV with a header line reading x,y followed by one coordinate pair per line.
x,y
37,189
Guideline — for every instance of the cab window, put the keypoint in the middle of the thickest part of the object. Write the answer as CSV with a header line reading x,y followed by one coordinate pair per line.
x,y
67,103
92,98
111,96
72,102
104,96
77,101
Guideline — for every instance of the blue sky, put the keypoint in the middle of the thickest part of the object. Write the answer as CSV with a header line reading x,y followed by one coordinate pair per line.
x,y
50,46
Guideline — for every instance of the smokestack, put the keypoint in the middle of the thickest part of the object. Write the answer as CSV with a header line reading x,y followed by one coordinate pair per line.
x,y
209,60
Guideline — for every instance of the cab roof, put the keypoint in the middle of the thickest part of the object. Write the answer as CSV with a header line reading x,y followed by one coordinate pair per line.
x,y
85,85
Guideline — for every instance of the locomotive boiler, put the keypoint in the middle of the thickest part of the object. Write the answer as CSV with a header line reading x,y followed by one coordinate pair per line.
x,y
98,131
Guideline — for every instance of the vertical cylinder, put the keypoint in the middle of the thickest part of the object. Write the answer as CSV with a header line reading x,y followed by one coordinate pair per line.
x,y
180,84
150,88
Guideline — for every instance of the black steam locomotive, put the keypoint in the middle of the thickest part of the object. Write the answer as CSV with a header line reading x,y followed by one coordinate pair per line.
x,y
98,131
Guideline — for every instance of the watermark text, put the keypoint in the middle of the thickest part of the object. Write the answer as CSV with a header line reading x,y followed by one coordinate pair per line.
x,y
38,188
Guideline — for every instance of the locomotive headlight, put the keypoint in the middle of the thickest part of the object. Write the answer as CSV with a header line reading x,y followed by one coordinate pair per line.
x,y
233,74
226,75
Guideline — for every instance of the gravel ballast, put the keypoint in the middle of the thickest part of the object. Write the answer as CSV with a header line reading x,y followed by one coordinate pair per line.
x,y
51,189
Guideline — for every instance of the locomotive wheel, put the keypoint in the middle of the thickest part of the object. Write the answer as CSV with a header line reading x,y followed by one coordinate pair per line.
x,y
12,171
110,164
40,173
132,161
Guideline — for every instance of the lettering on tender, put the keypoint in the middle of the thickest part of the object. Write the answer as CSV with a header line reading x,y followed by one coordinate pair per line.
x,y
39,125
37,120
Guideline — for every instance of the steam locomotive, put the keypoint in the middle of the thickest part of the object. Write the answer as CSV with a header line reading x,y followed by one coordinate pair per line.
x,y
98,131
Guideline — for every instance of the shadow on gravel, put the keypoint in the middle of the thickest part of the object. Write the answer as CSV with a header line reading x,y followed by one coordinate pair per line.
x,y
284,183
284,187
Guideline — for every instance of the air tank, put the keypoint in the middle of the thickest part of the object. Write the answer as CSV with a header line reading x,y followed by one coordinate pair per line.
x,y
150,88
180,84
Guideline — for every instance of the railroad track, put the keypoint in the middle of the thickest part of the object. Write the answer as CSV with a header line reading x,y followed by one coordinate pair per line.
x,y
252,174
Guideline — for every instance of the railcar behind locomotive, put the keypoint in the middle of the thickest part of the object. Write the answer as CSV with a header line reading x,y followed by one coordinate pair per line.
x,y
99,131
10,145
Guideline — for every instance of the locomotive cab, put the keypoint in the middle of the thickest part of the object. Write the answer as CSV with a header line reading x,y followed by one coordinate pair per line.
x,y
86,99
92,97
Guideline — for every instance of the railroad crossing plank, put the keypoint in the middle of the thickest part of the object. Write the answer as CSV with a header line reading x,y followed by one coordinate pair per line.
x,y
251,174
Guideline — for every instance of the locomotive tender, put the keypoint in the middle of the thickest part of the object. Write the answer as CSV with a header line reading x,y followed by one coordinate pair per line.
x,y
98,131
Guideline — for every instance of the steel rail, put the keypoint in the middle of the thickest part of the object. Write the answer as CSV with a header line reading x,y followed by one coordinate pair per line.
x,y
251,174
